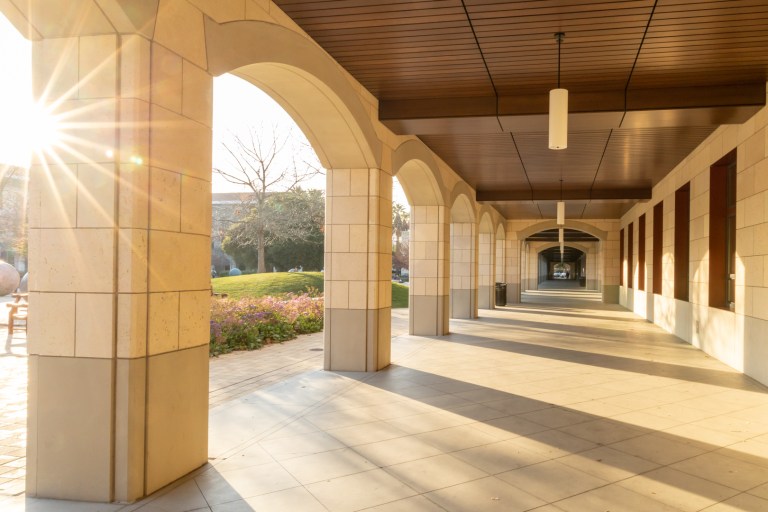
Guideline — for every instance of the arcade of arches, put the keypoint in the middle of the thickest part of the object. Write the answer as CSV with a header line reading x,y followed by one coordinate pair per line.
x,y
121,327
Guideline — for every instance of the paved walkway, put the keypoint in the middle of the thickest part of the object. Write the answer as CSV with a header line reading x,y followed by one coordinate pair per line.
x,y
560,404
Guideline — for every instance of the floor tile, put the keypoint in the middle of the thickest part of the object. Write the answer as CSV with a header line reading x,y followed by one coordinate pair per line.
x,y
244,483
326,465
436,472
608,464
724,470
484,495
740,503
397,451
296,446
613,498
552,481
678,489
659,448
360,491
295,499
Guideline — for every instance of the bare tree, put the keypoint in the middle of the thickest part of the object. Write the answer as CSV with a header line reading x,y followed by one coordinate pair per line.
x,y
266,162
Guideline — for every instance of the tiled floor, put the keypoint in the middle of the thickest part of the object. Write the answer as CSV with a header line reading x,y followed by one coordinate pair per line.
x,y
562,404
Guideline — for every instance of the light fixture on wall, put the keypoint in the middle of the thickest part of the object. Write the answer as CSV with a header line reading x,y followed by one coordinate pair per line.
x,y
558,108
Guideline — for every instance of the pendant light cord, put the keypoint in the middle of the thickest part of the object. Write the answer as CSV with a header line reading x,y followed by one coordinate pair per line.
x,y
559,37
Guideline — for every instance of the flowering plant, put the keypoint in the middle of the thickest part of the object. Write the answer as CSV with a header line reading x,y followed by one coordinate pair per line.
x,y
249,323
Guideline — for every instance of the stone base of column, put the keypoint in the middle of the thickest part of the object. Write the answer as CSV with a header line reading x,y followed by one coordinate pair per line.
x,y
513,293
357,340
91,421
462,304
428,315
485,297
610,293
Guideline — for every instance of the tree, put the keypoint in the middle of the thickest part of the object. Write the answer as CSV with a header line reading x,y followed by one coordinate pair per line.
x,y
300,217
13,229
264,162
293,227
401,220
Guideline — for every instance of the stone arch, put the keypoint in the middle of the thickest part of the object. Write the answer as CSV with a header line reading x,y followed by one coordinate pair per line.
x,y
305,81
501,234
569,224
461,203
582,248
414,166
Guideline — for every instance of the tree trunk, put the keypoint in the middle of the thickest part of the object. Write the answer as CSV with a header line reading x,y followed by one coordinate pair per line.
x,y
262,264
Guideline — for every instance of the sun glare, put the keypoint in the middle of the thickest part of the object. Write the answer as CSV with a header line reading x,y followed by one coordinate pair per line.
x,y
42,130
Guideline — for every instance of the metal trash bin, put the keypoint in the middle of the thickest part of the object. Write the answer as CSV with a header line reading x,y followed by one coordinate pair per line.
x,y
501,294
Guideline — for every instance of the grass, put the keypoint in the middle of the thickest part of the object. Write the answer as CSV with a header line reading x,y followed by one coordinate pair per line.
x,y
269,283
279,283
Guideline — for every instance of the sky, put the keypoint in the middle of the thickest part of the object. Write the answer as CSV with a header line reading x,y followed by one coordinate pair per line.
x,y
237,107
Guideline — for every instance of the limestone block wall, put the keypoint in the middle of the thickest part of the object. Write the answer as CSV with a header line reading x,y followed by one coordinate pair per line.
x,y
735,337
429,284
486,271
463,270
122,330
358,234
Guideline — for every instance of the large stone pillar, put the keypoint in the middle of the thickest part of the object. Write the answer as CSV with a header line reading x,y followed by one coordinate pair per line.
x,y
485,271
429,280
463,270
119,250
513,262
611,266
358,269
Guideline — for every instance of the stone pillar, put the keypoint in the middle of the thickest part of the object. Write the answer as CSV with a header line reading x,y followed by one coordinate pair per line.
x,y
592,278
485,271
358,269
119,249
429,280
611,268
463,270
513,265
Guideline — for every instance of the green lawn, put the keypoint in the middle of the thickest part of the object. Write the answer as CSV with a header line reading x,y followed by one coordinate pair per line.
x,y
277,283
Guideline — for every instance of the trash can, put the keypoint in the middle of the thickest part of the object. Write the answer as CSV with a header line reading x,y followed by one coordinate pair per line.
x,y
501,294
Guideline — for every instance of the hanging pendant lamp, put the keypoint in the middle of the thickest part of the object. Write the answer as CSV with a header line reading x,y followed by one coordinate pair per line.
x,y
558,108
561,203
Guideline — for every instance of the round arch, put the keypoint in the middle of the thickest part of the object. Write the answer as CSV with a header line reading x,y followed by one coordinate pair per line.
x,y
461,203
415,168
486,224
305,81
572,224
582,248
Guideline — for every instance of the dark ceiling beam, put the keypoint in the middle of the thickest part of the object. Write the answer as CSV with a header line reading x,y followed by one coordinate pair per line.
x,y
557,195
638,108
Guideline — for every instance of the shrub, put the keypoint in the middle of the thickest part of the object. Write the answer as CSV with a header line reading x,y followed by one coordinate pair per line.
x,y
249,323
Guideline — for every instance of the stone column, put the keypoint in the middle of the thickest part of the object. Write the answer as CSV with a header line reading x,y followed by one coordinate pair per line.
x,y
358,269
429,280
119,249
513,265
485,271
463,270
611,267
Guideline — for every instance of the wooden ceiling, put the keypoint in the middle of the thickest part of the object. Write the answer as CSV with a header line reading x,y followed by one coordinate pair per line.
x,y
648,81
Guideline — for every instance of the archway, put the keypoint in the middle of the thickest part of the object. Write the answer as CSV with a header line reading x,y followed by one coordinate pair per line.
x,y
588,239
313,90
419,176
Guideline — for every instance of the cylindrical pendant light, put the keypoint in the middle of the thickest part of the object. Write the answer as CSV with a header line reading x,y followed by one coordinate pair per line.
x,y
558,119
561,236
558,108
560,213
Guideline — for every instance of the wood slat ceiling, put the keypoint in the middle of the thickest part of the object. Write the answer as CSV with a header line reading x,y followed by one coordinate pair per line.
x,y
488,50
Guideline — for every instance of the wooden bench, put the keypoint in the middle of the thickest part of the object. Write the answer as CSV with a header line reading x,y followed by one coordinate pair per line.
x,y
17,310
